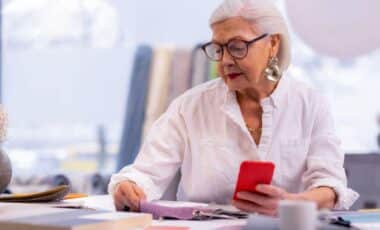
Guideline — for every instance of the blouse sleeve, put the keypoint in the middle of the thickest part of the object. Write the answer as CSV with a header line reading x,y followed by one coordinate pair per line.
x,y
159,157
325,160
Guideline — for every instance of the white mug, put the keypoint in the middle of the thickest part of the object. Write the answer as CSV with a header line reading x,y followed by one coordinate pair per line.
x,y
297,215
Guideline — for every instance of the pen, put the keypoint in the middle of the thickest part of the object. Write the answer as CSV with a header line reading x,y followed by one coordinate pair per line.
x,y
73,206
339,221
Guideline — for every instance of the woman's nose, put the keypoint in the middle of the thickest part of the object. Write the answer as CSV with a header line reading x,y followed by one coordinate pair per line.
x,y
227,59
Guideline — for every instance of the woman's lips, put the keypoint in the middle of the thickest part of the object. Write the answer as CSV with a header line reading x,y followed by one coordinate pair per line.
x,y
233,75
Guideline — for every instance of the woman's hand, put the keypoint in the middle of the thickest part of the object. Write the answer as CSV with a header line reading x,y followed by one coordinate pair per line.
x,y
265,203
128,194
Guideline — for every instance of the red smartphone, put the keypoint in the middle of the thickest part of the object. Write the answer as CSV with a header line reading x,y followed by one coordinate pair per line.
x,y
253,173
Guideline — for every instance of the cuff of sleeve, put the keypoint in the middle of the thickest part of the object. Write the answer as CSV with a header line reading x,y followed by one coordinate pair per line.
x,y
346,196
144,183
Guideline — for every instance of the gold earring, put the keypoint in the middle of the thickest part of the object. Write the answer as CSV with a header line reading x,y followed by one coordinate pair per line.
x,y
272,72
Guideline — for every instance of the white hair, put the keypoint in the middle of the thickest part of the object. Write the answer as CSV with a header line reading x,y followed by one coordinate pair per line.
x,y
261,14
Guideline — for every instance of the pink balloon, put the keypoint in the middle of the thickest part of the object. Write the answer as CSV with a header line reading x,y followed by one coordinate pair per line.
x,y
338,28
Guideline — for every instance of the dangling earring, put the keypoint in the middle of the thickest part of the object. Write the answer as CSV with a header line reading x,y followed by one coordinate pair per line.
x,y
272,72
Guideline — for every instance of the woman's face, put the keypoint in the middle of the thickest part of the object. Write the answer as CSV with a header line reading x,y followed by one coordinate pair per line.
x,y
240,74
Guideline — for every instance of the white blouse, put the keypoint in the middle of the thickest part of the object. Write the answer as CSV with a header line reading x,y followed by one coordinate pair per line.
x,y
203,135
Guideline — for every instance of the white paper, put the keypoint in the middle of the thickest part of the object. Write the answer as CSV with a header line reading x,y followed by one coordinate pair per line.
x,y
179,204
110,216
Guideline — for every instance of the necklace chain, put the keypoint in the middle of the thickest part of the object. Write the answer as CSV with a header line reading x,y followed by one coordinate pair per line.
x,y
252,130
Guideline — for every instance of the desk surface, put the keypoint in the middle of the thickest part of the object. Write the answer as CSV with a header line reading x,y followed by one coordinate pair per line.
x,y
105,202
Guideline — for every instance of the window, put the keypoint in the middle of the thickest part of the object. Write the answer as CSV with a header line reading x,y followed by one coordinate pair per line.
x,y
65,75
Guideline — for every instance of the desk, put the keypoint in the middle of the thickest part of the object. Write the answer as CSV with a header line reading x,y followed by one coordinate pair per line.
x,y
203,225
105,202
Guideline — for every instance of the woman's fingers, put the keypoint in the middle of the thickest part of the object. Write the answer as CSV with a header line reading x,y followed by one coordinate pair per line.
x,y
117,202
139,192
271,191
262,200
120,201
131,196
128,194
247,206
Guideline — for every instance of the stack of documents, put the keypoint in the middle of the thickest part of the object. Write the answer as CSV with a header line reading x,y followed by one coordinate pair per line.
x,y
54,194
23,216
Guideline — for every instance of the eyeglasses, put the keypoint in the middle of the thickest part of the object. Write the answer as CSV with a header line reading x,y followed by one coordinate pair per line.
x,y
237,48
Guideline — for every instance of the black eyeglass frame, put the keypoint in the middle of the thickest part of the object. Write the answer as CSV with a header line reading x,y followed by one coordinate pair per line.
x,y
247,44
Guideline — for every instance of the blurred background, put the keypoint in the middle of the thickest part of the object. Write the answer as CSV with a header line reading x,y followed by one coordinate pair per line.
x,y
66,68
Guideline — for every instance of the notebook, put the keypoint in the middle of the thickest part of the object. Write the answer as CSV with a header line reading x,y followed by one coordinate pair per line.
x,y
189,211
22,216
54,194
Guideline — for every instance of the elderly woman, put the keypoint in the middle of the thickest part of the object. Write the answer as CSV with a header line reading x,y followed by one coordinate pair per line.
x,y
254,111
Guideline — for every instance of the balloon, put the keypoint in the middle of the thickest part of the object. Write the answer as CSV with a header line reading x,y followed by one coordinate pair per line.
x,y
337,28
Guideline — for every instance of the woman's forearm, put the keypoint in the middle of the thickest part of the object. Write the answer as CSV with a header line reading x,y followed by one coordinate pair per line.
x,y
325,197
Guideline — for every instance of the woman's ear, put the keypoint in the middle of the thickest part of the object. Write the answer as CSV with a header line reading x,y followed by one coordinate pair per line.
x,y
274,44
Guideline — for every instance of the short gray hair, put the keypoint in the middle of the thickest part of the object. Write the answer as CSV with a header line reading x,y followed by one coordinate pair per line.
x,y
262,14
